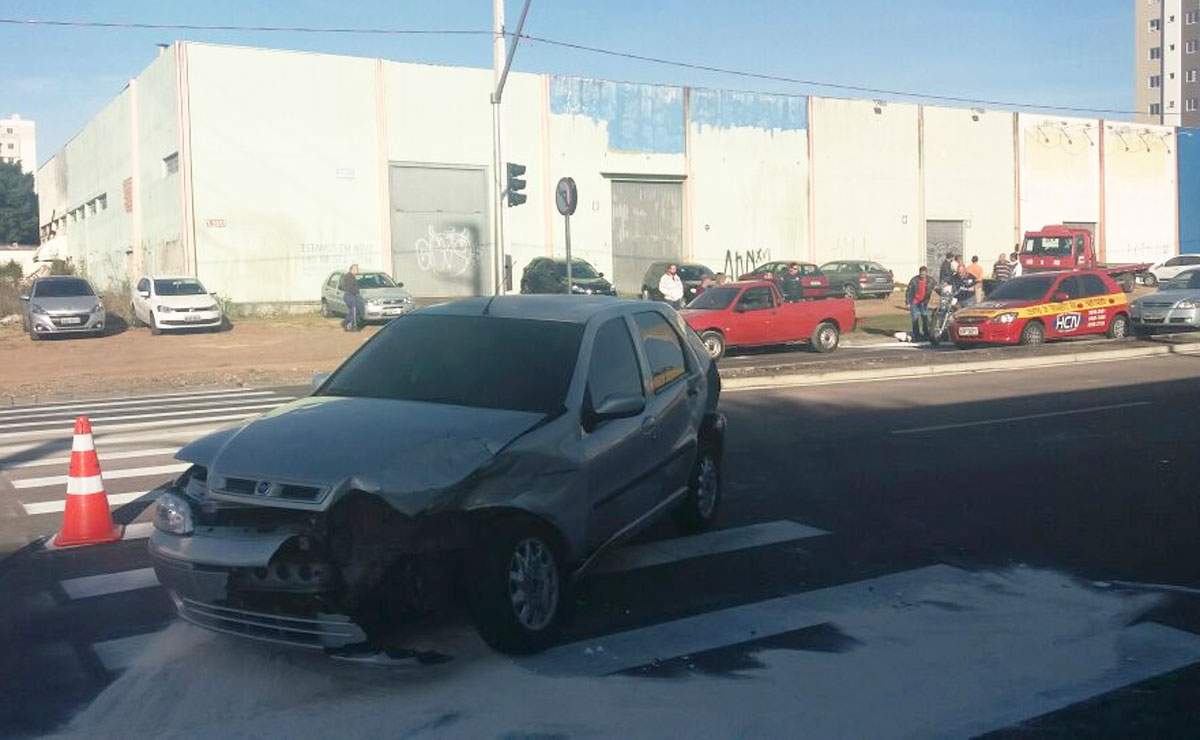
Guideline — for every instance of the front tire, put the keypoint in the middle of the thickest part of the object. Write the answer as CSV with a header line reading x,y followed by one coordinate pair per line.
x,y
326,312
134,321
1119,328
154,325
516,587
1033,334
714,342
850,291
826,337
699,509
645,294
1150,280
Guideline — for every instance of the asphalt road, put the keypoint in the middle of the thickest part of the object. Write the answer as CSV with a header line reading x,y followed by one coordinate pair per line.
x,y
1014,553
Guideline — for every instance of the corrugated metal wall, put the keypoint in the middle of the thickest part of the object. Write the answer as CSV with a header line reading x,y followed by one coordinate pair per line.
x,y
647,226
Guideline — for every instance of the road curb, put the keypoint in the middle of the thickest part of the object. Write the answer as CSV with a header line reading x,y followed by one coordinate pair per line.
x,y
762,382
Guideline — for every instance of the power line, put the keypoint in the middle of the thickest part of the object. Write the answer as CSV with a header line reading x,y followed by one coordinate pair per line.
x,y
273,29
566,45
817,83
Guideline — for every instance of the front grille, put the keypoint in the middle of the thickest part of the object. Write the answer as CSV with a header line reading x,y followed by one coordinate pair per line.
x,y
970,320
80,319
1156,304
319,631
272,489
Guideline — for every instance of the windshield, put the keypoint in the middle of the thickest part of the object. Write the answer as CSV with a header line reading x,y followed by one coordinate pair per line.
x,y
715,299
183,286
375,280
1030,288
1189,280
62,289
694,273
478,361
1048,246
580,270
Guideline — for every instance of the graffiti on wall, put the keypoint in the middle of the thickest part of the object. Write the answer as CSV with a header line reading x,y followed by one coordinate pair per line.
x,y
739,262
448,253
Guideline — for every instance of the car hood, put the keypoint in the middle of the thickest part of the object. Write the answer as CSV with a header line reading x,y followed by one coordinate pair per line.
x,y
202,300
75,304
398,449
385,293
1172,296
1001,305
699,314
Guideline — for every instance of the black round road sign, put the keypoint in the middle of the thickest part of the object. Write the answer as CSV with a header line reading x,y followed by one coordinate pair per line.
x,y
566,197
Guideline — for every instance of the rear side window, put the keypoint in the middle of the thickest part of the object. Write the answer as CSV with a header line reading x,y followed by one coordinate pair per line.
x,y
663,349
1070,286
614,369
756,299
1092,285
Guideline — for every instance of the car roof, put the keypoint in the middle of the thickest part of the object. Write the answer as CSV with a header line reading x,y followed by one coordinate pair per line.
x,y
576,309
59,278
171,277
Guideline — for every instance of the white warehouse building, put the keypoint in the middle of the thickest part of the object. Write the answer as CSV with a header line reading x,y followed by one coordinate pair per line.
x,y
260,171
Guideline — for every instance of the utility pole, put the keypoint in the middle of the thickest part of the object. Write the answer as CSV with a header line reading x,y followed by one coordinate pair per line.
x,y
502,58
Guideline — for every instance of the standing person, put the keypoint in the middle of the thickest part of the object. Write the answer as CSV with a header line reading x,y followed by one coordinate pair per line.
x,y
964,286
1015,262
354,305
706,282
916,299
670,286
789,283
976,271
1002,270
722,278
947,270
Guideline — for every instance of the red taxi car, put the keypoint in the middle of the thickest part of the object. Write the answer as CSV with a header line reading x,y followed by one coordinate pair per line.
x,y
754,314
1051,305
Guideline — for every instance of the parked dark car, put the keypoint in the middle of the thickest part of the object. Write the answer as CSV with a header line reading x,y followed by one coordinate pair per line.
x,y
689,273
549,275
859,278
813,282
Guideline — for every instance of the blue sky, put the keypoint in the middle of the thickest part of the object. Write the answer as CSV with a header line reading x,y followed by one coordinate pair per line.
x,y
1042,52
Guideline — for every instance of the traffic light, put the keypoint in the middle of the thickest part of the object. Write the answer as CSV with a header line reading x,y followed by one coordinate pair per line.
x,y
515,184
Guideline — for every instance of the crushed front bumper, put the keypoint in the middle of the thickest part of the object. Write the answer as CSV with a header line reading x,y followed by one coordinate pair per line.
x,y
212,577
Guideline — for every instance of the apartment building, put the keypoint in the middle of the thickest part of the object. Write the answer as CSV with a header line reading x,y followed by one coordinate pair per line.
x,y
17,142
1167,61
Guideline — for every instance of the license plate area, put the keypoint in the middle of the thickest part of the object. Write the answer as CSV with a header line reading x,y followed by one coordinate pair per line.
x,y
70,321
968,331
193,317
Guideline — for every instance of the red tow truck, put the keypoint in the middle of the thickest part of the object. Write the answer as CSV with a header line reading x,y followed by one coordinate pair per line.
x,y
1057,248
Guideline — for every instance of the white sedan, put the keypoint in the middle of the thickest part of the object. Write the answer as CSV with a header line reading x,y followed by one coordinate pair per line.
x,y
168,302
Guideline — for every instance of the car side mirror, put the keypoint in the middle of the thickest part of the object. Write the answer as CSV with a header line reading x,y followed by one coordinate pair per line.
x,y
319,380
24,296
619,406
1060,297
399,285
144,293
600,274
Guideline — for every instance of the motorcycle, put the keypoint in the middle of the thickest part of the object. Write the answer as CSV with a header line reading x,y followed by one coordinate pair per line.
x,y
939,323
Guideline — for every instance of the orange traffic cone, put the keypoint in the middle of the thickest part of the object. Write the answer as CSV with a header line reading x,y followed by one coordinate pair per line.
x,y
87,520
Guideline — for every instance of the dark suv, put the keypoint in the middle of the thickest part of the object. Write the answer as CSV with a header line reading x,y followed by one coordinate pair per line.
x,y
859,278
549,275
689,273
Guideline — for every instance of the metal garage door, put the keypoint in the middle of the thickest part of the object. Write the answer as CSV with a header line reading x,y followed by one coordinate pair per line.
x,y
942,238
441,243
647,224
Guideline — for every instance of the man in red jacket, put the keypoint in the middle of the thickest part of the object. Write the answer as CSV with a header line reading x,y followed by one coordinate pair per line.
x,y
916,298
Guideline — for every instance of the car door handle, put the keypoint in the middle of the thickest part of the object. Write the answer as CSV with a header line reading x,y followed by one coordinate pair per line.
x,y
650,426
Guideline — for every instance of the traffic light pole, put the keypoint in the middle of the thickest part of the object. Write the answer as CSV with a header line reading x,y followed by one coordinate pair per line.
x,y
502,58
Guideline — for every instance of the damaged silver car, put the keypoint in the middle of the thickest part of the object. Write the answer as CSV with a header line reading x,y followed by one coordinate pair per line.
x,y
486,451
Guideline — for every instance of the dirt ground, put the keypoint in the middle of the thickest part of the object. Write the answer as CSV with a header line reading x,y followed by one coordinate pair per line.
x,y
254,352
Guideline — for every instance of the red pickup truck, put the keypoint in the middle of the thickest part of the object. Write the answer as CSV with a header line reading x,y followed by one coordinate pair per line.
x,y
754,314
1057,248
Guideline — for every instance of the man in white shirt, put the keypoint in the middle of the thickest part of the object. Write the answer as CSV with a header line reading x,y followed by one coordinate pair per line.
x,y
671,287
1016,265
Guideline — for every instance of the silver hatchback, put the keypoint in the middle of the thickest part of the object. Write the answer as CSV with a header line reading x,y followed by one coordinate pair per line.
x,y
61,304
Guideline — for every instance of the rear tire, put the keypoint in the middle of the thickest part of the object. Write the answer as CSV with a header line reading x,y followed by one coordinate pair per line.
x,y
714,342
1127,283
850,291
516,586
326,313
134,321
699,508
1033,333
1119,328
826,337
